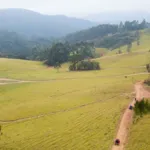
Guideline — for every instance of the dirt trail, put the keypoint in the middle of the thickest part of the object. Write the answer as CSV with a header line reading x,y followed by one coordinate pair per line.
x,y
4,81
128,116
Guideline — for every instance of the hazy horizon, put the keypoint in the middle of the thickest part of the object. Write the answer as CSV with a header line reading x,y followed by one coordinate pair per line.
x,y
77,8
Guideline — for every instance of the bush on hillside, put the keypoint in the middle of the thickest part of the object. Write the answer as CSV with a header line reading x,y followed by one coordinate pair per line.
x,y
148,67
119,52
147,81
142,107
84,66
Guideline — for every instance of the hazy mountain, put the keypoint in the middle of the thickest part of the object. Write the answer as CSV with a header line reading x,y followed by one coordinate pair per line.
x,y
15,45
32,23
116,17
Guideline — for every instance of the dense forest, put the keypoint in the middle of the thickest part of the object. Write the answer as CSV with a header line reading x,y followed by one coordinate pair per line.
x,y
76,54
13,45
109,36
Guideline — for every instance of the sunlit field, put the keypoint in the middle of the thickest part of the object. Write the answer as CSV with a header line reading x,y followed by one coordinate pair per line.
x,y
30,70
139,138
64,110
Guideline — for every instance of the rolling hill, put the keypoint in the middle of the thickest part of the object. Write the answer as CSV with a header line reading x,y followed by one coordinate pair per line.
x,y
35,24
109,35
51,110
45,109
15,45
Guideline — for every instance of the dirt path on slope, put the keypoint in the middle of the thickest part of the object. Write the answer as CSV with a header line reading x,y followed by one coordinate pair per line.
x,y
4,81
127,117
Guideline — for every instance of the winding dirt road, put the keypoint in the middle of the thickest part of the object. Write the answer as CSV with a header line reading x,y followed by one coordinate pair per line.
x,y
127,117
4,81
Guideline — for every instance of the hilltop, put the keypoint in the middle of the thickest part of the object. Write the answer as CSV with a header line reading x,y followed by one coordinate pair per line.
x,y
109,35
31,23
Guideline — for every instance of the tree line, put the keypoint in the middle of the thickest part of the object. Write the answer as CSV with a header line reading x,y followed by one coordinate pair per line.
x,y
13,45
76,54
110,36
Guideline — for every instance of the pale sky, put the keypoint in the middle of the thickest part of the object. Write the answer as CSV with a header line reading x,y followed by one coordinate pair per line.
x,y
76,7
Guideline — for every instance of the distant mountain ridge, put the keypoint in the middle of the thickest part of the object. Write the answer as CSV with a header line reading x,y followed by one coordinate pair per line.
x,y
118,16
31,23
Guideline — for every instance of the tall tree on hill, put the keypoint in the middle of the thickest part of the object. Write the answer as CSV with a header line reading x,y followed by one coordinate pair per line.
x,y
121,27
57,65
143,24
129,46
58,54
81,51
137,34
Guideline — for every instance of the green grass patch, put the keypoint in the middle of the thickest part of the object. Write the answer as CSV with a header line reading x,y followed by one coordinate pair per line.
x,y
143,47
80,109
139,137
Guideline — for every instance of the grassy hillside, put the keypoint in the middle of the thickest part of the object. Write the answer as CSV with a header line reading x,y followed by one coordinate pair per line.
x,y
144,44
75,113
140,135
101,51
32,70
66,110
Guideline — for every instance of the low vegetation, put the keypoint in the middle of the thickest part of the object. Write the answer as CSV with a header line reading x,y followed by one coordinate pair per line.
x,y
142,107
148,67
139,133
84,65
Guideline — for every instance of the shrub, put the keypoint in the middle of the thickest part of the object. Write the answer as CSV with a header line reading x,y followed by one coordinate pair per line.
x,y
148,67
84,65
147,82
142,107
72,67
119,52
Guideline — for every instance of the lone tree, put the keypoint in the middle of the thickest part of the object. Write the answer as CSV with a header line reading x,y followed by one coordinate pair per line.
x,y
58,54
119,51
81,51
129,46
57,65
137,34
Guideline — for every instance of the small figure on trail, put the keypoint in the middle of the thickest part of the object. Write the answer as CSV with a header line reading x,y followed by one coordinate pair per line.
x,y
130,107
117,142
135,99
